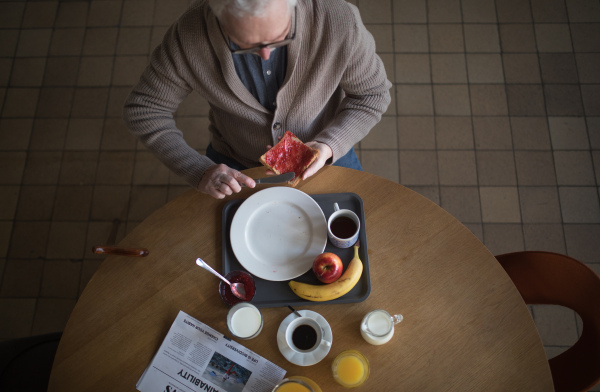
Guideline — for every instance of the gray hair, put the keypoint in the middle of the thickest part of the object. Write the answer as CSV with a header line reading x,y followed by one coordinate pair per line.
x,y
241,8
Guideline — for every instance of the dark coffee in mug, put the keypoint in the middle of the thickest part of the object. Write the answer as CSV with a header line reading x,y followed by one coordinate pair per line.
x,y
304,337
343,227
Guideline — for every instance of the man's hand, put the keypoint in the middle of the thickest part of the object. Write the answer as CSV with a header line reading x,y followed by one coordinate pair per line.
x,y
221,180
325,153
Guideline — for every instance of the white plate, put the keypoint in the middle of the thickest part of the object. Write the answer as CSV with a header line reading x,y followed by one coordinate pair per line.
x,y
277,233
304,359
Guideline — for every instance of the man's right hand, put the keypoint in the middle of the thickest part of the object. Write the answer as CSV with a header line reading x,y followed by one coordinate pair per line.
x,y
221,180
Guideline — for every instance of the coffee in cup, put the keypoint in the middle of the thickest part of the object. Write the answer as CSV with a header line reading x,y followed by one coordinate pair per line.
x,y
343,227
304,335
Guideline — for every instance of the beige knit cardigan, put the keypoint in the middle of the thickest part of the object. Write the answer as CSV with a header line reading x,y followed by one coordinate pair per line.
x,y
335,89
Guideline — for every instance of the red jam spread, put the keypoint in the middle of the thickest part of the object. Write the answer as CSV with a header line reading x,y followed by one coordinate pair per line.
x,y
289,155
237,277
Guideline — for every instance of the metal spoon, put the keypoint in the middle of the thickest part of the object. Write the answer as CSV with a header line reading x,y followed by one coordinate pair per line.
x,y
295,311
237,289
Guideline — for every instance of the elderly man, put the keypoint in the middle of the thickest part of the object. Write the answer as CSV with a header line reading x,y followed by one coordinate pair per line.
x,y
264,66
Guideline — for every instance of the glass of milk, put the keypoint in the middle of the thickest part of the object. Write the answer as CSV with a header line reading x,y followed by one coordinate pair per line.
x,y
244,320
377,327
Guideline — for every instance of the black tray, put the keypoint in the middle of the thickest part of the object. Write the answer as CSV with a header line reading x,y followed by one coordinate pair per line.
x,y
274,294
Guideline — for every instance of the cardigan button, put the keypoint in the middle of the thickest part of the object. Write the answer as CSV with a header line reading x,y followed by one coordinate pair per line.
x,y
277,126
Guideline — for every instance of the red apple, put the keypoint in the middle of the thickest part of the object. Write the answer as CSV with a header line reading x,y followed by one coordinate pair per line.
x,y
328,267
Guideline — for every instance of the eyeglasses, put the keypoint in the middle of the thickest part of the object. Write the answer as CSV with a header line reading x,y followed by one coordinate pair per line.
x,y
271,45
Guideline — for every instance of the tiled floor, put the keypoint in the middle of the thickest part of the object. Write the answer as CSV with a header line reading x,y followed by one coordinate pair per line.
x,y
495,116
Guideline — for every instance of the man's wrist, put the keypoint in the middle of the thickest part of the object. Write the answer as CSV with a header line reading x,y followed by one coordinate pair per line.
x,y
329,153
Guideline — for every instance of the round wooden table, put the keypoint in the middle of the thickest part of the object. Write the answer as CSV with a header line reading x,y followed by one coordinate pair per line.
x,y
465,325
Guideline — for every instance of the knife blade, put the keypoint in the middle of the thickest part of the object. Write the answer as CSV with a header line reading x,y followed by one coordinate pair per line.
x,y
275,179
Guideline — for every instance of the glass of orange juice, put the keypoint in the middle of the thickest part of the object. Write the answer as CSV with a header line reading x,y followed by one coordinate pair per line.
x,y
293,385
350,369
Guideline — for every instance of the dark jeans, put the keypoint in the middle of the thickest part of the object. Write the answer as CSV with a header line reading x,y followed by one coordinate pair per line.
x,y
350,160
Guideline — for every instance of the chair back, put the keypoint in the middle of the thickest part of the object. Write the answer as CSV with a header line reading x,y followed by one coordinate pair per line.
x,y
555,279
26,363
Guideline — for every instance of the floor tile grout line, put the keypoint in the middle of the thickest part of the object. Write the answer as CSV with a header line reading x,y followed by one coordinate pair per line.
x,y
149,58
43,258
552,149
468,52
132,186
39,97
123,219
483,23
585,114
53,218
577,326
3,101
394,69
510,125
468,84
433,111
487,149
544,100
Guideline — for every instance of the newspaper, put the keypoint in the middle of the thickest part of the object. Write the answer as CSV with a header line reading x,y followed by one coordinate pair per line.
x,y
195,357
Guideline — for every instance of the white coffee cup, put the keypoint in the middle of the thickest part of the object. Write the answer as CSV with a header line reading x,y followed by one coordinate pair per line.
x,y
304,335
346,227
244,320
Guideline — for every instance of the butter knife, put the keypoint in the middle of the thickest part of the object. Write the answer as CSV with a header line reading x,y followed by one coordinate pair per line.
x,y
113,250
276,179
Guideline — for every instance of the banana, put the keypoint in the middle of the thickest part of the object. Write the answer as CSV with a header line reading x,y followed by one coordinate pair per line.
x,y
327,292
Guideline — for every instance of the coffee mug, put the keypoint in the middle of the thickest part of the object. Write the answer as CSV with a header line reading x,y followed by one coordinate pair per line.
x,y
304,335
343,227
